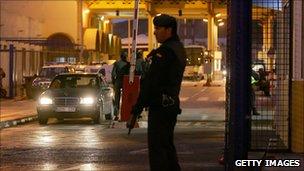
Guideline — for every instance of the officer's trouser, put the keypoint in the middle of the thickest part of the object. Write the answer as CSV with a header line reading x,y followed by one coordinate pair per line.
x,y
162,153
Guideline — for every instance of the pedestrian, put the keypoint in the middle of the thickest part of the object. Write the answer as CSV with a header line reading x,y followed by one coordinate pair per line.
x,y
2,90
140,64
254,81
120,68
2,75
195,72
264,84
160,93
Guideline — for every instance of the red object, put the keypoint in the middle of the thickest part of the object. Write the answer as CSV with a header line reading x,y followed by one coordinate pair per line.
x,y
221,160
130,94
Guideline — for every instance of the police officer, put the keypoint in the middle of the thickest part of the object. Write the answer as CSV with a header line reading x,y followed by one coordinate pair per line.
x,y
160,93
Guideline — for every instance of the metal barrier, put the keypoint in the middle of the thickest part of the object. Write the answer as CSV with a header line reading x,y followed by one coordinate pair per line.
x,y
19,60
271,55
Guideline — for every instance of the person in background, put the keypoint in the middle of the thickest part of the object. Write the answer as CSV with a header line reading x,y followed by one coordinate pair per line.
x,y
2,75
140,63
2,91
254,81
120,68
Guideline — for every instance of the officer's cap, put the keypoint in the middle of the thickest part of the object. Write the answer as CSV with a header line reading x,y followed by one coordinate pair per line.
x,y
164,20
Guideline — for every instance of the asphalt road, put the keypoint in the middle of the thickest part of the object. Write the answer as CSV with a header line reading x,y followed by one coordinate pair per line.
x,y
78,144
81,145
195,95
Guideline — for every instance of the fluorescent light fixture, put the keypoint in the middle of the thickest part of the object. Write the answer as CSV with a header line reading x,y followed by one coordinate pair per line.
x,y
221,24
205,20
218,15
158,14
102,18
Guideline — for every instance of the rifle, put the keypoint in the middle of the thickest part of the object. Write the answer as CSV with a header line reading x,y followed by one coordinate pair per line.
x,y
132,123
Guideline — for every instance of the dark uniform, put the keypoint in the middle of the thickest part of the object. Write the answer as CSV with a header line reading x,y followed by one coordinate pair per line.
x,y
160,92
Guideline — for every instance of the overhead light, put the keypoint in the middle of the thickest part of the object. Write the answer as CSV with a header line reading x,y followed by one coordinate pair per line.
x,y
205,20
221,24
107,21
218,15
158,14
220,20
101,18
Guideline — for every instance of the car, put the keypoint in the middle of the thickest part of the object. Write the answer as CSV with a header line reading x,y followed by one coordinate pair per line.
x,y
75,96
79,68
45,76
194,72
105,69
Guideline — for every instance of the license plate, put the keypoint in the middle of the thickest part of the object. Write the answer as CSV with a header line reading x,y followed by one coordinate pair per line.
x,y
65,109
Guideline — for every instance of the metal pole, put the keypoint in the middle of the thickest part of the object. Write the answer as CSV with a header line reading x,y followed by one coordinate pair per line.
x,y
129,37
134,42
239,87
80,30
11,71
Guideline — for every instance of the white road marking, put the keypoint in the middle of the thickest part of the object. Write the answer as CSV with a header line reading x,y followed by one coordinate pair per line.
x,y
87,166
141,151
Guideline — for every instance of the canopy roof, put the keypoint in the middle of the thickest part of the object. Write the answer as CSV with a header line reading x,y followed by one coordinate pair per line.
x,y
178,8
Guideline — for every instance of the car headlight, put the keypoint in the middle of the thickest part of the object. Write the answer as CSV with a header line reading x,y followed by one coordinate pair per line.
x,y
45,101
87,100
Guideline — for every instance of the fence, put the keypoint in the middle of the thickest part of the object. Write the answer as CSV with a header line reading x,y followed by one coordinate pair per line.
x,y
19,60
271,51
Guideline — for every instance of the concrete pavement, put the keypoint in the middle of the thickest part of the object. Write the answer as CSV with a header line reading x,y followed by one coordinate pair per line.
x,y
16,111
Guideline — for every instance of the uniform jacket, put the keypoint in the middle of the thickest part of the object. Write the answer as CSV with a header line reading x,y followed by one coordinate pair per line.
x,y
164,77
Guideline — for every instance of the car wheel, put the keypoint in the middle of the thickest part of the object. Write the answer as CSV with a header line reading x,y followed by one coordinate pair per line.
x,y
42,120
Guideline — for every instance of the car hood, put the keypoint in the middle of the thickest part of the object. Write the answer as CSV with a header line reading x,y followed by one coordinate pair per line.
x,y
71,92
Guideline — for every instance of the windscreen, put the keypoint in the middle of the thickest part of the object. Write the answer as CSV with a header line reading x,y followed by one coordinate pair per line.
x,y
75,82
